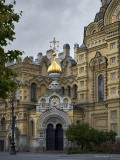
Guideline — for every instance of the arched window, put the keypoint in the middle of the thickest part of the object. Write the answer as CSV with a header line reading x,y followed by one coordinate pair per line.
x,y
3,124
33,92
16,94
69,91
32,128
62,90
94,31
101,62
101,88
75,91
95,64
15,122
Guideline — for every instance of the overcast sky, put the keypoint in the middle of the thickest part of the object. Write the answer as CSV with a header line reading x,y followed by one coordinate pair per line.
x,y
44,19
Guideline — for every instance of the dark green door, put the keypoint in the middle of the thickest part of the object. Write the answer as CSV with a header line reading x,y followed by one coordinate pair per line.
x,y
1,145
54,138
50,138
59,137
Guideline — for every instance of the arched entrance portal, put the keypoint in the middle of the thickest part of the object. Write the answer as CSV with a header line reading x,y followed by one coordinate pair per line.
x,y
51,126
54,137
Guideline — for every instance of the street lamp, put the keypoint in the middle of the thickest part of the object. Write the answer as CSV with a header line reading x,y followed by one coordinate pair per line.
x,y
12,149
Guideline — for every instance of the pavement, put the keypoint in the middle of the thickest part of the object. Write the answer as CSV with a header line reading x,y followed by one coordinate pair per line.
x,y
57,156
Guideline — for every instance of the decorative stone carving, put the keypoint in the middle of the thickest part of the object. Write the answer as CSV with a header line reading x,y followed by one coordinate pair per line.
x,y
27,60
62,102
50,116
98,62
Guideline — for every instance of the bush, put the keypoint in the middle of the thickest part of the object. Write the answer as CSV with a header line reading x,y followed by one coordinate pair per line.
x,y
75,151
86,137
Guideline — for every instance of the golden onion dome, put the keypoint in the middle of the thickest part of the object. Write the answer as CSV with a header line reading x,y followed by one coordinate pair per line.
x,y
54,67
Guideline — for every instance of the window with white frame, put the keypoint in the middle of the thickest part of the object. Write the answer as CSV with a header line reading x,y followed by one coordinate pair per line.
x,y
113,46
114,114
103,40
114,127
82,96
82,57
95,43
113,90
113,60
82,83
113,75
101,88
82,69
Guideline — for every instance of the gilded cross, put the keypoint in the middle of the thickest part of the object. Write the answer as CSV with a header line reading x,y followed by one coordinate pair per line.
x,y
54,42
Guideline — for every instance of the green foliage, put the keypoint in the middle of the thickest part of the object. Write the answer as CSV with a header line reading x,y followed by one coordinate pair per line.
x,y
87,137
7,26
74,151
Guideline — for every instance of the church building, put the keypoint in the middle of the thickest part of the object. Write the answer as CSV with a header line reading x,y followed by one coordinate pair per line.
x,y
56,91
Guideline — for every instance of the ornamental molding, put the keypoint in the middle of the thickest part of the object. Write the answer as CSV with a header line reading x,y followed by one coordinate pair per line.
x,y
100,113
99,62
53,114
111,11
94,26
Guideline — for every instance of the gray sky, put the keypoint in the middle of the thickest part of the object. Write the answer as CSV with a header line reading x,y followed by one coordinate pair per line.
x,y
44,19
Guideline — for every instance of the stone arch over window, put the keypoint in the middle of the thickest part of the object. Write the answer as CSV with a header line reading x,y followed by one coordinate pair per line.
x,y
101,88
69,91
75,91
62,90
3,124
94,31
33,91
60,116
94,26
98,81
95,63
101,61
